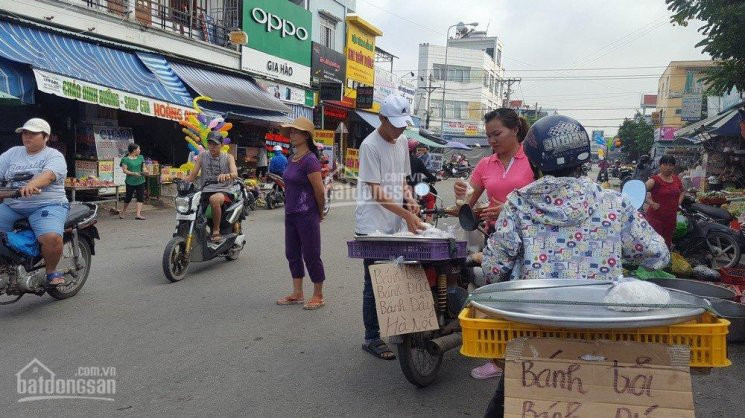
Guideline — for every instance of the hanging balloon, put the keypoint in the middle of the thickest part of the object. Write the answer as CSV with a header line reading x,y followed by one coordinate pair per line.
x,y
225,148
226,141
223,133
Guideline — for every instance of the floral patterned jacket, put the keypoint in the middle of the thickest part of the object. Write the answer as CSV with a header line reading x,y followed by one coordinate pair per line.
x,y
569,228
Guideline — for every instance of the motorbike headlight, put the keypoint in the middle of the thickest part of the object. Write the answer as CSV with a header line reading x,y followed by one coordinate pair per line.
x,y
182,205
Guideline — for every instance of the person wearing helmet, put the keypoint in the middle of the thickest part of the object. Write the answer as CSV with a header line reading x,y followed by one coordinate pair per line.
x,y
643,169
419,172
278,163
563,226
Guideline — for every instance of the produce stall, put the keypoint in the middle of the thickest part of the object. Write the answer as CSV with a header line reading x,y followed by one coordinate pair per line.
x,y
96,179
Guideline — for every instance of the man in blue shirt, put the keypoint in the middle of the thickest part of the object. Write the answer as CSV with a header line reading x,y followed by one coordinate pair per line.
x,y
278,163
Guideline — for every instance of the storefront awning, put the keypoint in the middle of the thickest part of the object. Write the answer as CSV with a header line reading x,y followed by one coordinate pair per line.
x,y
412,133
228,89
84,61
16,81
728,125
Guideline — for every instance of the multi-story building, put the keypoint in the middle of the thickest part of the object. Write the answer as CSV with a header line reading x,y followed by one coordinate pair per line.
x,y
472,78
135,67
680,94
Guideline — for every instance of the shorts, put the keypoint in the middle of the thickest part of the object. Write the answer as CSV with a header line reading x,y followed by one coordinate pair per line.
x,y
139,190
43,219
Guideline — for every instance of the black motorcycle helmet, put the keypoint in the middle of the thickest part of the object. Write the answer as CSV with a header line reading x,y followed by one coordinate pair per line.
x,y
557,144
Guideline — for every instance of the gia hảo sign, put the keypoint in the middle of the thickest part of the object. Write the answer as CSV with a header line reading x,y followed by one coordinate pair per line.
x,y
279,34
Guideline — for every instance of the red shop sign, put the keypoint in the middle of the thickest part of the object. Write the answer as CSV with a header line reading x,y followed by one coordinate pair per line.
x,y
335,113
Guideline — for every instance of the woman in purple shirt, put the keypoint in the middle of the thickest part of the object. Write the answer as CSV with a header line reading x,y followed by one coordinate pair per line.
x,y
304,202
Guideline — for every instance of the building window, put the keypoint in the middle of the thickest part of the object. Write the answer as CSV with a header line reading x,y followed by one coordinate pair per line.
x,y
490,52
328,32
454,73
678,112
486,78
499,58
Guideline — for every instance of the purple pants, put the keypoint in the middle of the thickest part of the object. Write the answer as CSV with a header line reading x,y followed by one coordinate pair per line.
x,y
303,243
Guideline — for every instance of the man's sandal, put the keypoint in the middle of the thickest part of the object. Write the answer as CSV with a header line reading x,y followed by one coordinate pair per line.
x,y
290,300
379,349
55,279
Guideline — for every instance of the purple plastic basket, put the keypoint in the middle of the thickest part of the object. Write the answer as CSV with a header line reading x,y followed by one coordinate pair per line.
x,y
415,251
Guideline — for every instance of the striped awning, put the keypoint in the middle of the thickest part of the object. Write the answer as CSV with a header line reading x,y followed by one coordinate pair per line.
x,y
85,61
16,81
228,89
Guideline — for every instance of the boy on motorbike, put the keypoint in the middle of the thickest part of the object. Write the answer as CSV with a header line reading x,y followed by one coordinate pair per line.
x,y
563,226
217,167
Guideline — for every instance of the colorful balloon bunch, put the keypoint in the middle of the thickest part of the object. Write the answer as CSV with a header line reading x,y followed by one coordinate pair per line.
x,y
198,127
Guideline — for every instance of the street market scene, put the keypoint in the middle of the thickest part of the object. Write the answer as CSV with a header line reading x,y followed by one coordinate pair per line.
x,y
503,209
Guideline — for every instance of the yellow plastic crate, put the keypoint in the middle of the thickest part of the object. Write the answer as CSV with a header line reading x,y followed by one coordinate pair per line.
x,y
706,336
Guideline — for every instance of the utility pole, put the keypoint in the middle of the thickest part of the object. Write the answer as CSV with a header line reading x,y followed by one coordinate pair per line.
x,y
430,89
509,82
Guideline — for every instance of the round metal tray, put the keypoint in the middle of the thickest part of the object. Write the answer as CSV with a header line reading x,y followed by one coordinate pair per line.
x,y
576,316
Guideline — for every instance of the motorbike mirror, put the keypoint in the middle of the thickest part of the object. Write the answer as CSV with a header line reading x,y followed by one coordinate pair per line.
x,y
636,190
421,189
468,220
23,176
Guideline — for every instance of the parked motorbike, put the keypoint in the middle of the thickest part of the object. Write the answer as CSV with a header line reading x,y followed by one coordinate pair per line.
x,y
21,274
420,354
455,170
191,241
275,196
707,238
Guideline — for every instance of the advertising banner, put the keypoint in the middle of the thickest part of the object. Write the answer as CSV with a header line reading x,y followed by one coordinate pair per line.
x,y
279,39
691,110
112,142
286,93
84,91
327,64
360,54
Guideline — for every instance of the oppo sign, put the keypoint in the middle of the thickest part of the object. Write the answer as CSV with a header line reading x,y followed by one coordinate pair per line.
x,y
274,22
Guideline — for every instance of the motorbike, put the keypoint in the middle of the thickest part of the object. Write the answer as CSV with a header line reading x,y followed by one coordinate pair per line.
x,y
21,274
328,186
275,196
455,170
420,354
708,235
191,241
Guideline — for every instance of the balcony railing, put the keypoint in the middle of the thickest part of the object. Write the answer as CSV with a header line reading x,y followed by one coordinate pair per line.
x,y
188,18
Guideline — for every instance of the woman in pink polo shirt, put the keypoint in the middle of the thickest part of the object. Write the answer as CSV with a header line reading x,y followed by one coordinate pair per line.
x,y
507,169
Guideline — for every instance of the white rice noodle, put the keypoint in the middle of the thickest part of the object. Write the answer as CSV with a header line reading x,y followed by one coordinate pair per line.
x,y
636,292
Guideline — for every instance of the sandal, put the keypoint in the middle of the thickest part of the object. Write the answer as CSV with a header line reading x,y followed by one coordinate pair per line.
x,y
379,349
55,279
312,306
290,300
140,218
216,237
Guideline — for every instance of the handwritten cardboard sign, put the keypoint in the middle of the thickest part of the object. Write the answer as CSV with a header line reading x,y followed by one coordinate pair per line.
x,y
403,299
551,377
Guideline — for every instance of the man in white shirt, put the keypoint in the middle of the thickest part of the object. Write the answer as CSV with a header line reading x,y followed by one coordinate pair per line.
x,y
382,192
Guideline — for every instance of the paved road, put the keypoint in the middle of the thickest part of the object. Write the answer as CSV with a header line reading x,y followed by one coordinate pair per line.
x,y
216,344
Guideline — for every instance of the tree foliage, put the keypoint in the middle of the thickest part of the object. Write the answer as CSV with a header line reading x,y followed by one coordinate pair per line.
x,y
723,29
637,137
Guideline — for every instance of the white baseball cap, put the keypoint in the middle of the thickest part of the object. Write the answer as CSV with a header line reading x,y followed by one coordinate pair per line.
x,y
277,148
396,108
35,125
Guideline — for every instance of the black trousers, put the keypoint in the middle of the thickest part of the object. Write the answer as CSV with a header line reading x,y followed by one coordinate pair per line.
x,y
496,406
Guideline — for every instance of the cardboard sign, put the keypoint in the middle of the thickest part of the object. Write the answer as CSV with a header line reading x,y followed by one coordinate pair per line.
x,y
551,377
403,299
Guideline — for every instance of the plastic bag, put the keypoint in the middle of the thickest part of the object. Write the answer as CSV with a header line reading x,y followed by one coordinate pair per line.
x,y
681,227
23,242
680,265
705,273
635,292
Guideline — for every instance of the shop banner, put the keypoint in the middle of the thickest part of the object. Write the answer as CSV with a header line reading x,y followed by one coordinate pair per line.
x,y
352,163
324,137
360,54
286,93
84,91
268,65
691,109
463,128
327,64
387,83
666,133
112,142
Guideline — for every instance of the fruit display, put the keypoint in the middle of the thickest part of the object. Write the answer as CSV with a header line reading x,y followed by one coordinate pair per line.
x,y
88,182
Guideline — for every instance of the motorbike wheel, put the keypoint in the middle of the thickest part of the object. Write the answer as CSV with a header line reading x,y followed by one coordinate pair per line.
x,y
270,201
327,206
175,262
68,261
234,252
724,249
418,365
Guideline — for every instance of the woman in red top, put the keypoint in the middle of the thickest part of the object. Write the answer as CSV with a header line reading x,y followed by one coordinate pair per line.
x,y
664,197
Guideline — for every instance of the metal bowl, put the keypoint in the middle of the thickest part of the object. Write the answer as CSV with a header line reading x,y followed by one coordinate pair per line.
x,y
695,287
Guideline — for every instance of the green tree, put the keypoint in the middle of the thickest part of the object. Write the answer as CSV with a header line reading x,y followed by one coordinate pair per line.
x,y
637,137
724,21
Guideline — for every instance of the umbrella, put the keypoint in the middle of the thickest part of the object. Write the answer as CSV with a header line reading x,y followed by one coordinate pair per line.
x,y
9,100
456,145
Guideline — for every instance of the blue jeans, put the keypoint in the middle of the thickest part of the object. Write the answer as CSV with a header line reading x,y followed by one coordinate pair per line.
x,y
369,313
43,219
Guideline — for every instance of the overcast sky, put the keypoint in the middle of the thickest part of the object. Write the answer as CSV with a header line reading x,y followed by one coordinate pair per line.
x,y
545,35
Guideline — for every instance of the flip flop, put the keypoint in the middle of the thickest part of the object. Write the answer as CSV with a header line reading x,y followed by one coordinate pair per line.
x,y
289,300
312,306
140,218
216,238
378,348
54,276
